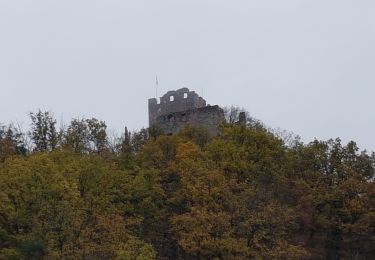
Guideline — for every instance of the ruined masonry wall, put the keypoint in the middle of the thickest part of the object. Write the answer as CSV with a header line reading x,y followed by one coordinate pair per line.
x,y
208,117
181,107
174,101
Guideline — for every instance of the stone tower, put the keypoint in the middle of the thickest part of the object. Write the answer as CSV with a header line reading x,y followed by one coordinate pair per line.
x,y
181,107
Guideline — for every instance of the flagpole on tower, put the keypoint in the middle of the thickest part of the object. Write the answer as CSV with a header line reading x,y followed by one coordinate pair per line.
x,y
157,86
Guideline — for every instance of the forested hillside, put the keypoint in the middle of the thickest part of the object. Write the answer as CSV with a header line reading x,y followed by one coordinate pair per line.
x,y
78,193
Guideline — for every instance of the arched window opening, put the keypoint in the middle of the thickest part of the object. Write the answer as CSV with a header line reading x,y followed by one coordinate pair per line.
x,y
171,98
185,95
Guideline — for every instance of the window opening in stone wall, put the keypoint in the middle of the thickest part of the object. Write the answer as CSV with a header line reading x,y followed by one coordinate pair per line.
x,y
185,95
171,98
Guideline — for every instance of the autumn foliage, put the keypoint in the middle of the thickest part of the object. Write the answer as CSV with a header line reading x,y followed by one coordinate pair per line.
x,y
244,194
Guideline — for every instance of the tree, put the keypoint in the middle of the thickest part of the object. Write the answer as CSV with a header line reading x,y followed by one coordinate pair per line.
x,y
97,134
43,131
335,199
244,194
139,139
155,131
200,136
232,116
77,135
86,135
39,208
12,142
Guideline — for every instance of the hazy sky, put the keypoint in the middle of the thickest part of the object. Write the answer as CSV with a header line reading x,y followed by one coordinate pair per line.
x,y
303,65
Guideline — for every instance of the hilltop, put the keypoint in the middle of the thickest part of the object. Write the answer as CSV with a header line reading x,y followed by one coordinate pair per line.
x,y
242,194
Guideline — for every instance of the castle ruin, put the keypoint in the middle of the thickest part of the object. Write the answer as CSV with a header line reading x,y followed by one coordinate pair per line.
x,y
178,108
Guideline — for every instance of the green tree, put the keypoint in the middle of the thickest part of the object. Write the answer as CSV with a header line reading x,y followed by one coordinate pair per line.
x,y
12,142
335,199
97,134
77,135
43,131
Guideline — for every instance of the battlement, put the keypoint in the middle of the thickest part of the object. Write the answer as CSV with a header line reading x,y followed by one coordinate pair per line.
x,y
181,107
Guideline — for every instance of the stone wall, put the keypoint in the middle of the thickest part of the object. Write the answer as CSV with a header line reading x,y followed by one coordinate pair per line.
x,y
209,117
174,101
181,107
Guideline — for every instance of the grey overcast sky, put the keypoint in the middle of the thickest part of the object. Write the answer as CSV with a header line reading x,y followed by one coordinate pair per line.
x,y
307,66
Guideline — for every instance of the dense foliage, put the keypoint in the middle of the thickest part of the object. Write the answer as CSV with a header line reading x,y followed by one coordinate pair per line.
x,y
245,194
